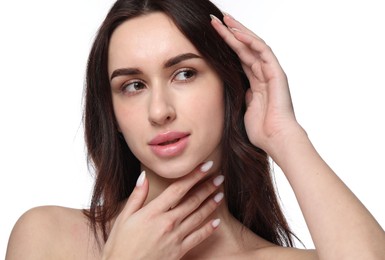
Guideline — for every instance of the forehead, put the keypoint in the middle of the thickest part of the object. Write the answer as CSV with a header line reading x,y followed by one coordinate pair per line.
x,y
152,37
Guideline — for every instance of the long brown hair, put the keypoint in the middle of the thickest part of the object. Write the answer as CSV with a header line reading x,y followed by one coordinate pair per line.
x,y
249,188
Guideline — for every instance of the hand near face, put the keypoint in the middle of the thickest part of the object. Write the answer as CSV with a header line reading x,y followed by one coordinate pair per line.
x,y
269,117
168,226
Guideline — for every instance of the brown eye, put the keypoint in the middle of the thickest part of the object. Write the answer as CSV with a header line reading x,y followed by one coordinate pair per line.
x,y
133,87
185,75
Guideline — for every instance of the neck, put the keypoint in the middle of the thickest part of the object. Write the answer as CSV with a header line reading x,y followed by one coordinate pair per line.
x,y
157,185
230,238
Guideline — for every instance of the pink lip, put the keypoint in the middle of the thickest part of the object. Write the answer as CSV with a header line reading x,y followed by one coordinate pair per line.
x,y
169,144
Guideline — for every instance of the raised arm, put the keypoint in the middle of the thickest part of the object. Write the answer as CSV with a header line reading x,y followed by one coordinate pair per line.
x,y
340,226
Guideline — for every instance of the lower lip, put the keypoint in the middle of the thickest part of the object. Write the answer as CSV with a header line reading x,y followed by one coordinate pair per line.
x,y
170,150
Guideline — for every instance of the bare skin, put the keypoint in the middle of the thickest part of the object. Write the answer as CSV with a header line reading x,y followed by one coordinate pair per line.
x,y
63,233
271,124
188,229
52,232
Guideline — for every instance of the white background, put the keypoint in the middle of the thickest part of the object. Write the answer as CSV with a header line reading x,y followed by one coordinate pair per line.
x,y
332,51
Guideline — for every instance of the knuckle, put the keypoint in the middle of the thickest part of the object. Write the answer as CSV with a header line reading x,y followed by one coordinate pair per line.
x,y
211,206
267,48
255,66
207,231
134,197
195,200
168,225
199,237
199,217
208,187
178,190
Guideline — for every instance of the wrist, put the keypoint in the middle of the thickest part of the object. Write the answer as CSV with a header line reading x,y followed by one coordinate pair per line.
x,y
286,144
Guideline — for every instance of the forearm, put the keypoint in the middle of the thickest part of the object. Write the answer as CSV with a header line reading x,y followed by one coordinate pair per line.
x,y
341,227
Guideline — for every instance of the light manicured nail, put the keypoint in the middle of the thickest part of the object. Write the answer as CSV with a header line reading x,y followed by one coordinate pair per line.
x,y
227,14
207,166
213,17
218,180
215,223
141,179
218,197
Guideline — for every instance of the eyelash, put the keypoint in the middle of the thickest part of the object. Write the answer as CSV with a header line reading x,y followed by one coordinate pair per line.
x,y
135,84
141,84
194,72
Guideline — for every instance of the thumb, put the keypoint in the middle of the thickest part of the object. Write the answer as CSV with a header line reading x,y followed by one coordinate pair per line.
x,y
138,195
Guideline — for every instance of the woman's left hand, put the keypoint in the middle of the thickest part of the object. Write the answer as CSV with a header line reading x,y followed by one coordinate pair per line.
x,y
269,117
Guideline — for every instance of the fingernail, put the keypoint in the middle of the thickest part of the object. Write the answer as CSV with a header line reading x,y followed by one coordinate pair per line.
x,y
215,223
207,166
227,14
213,17
141,179
218,180
218,197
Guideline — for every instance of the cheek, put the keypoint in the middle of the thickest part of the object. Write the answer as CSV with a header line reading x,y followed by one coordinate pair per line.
x,y
213,115
129,122
216,106
211,112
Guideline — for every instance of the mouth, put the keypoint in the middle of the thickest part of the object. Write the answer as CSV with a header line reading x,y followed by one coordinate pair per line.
x,y
168,138
169,144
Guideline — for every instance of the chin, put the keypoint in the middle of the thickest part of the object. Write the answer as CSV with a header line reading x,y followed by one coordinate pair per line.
x,y
172,169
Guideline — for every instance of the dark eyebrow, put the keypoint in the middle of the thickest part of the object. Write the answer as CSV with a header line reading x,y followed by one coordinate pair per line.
x,y
169,63
177,59
125,71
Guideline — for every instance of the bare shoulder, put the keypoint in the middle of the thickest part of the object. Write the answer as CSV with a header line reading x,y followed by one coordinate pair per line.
x,y
287,253
51,232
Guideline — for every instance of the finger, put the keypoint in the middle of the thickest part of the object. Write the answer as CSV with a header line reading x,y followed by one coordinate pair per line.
x,y
264,51
199,235
247,56
195,198
138,196
247,45
227,35
245,35
196,219
177,190
231,22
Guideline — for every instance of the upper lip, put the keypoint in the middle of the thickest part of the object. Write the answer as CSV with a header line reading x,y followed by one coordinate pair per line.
x,y
167,137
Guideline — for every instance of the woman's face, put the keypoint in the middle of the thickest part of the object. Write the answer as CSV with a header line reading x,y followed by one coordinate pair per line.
x,y
167,100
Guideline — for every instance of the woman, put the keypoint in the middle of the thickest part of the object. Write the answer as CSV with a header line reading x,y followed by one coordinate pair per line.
x,y
166,97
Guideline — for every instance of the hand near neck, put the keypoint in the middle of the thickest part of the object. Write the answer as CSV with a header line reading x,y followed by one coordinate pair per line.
x,y
170,224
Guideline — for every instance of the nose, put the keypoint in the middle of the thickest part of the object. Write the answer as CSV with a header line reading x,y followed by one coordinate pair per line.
x,y
161,108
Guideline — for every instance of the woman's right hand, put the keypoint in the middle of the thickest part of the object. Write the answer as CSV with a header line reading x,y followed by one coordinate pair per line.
x,y
168,226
